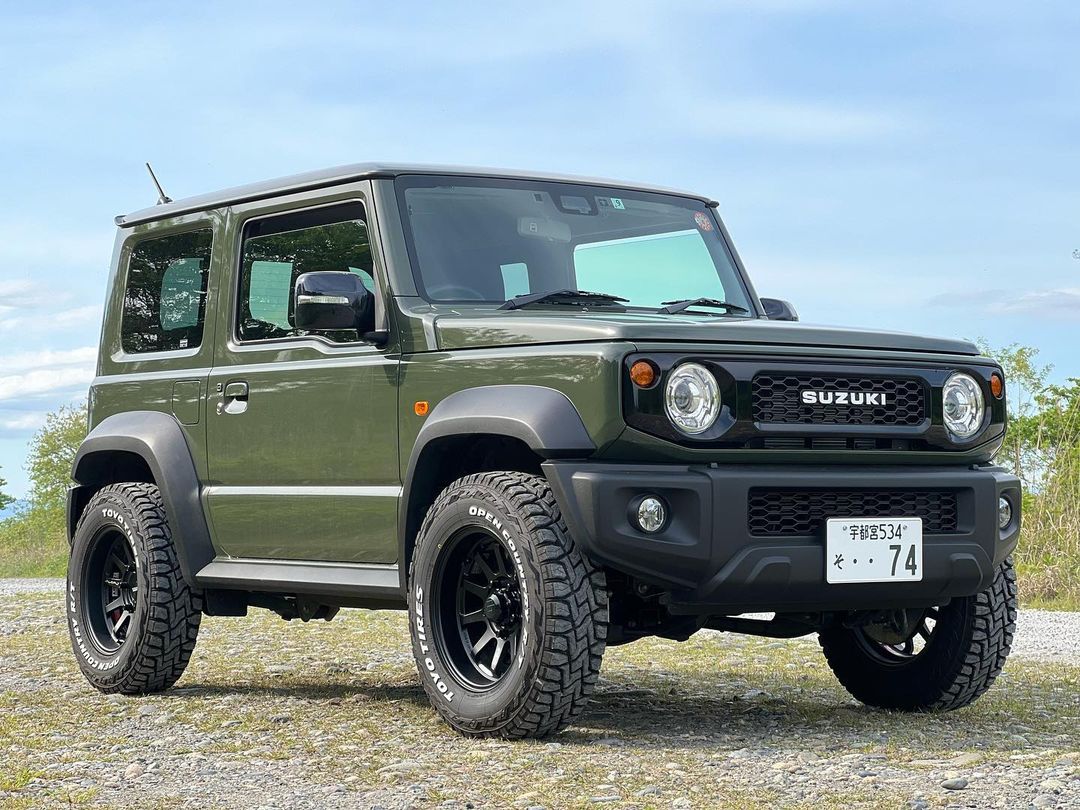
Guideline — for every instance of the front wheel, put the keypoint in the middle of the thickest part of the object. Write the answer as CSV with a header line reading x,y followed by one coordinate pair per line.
x,y
508,620
928,660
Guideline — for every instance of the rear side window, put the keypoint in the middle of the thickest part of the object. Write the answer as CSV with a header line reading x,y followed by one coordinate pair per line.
x,y
279,250
165,297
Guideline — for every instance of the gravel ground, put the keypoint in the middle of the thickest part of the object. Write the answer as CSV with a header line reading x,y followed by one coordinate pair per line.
x,y
331,715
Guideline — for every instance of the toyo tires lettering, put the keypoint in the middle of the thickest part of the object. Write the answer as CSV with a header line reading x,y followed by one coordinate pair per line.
x,y
80,638
421,639
497,524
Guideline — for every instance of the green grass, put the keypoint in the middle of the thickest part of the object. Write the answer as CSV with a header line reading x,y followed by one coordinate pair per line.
x,y
33,544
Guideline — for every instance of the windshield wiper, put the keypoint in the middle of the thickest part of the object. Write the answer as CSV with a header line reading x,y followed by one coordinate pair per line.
x,y
673,307
563,297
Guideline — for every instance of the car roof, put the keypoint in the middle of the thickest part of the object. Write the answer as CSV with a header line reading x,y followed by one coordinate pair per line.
x,y
360,171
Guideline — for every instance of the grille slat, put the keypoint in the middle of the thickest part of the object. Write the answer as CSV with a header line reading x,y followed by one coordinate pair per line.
x,y
777,400
802,512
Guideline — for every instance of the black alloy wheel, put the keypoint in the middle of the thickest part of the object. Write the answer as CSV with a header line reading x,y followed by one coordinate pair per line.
x,y
110,588
478,625
904,637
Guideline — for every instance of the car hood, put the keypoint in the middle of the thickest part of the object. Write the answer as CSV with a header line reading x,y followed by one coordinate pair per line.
x,y
464,330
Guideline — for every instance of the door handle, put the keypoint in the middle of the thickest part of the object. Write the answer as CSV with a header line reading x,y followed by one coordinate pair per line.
x,y
236,390
234,400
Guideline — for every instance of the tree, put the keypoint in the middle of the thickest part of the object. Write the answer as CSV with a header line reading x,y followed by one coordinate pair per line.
x,y
52,451
33,540
1026,381
5,499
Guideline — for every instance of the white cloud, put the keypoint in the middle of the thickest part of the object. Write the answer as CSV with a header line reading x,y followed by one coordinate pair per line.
x,y
37,318
27,361
45,381
77,315
22,423
1062,302
33,374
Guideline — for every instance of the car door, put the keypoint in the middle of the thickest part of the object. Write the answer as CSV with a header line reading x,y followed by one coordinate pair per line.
x,y
302,427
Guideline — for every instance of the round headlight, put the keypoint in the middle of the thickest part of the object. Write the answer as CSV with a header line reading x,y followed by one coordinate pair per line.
x,y
962,400
692,398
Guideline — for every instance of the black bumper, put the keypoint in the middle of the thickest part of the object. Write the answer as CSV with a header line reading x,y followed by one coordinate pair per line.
x,y
709,560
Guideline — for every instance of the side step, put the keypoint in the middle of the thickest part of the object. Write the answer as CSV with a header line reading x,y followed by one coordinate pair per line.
x,y
351,584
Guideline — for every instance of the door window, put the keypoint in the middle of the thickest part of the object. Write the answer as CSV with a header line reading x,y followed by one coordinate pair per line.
x,y
279,250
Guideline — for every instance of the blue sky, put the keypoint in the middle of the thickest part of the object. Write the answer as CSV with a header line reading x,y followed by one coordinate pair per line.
x,y
912,166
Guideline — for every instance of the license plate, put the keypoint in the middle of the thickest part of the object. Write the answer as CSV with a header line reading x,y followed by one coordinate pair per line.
x,y
873,550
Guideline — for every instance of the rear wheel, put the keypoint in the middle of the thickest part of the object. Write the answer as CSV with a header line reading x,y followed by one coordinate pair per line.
x,y
928,660
133,620
508,620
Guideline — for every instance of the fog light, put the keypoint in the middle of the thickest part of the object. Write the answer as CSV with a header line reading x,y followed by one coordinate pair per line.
x,y
1004,513
651,514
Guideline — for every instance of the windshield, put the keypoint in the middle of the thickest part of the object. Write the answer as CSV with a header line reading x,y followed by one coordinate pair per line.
x,y
484,240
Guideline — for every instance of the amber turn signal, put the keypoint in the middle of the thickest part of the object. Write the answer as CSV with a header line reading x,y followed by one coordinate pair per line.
x,y
420,408
997,386
643,373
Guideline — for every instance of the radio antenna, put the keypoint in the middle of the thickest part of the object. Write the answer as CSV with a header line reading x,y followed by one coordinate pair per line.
x,y
162,196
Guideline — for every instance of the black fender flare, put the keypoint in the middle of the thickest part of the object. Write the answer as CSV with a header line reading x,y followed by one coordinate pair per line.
x,y
159,441
543,418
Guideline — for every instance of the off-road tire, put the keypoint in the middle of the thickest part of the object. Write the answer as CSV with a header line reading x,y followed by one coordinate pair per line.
x,y
963,657
557,664
164,622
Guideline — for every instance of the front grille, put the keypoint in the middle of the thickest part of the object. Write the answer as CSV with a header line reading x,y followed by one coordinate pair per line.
x,y
802,512
778,400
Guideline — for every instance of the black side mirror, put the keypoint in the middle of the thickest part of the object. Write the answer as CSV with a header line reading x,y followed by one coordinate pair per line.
x,y
327,301
779,310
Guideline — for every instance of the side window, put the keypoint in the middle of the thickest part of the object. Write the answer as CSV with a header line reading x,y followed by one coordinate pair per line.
x,y
278,251
165,296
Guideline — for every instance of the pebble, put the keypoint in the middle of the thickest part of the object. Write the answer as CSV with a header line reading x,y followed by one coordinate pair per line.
x,y
664,741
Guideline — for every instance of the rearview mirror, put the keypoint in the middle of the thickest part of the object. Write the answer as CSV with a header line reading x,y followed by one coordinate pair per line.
x,y
328,301
777,309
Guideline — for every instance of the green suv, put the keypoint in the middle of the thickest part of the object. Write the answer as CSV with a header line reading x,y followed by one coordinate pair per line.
x,y
543,414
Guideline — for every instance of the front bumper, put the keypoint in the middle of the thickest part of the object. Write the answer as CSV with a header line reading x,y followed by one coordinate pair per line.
x,y
707,561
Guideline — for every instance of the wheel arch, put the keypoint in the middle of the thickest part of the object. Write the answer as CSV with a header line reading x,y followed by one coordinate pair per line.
x,y
150,447
497,427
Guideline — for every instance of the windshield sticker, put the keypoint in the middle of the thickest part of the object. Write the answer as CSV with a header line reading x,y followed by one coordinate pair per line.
x,y
617,204
703,221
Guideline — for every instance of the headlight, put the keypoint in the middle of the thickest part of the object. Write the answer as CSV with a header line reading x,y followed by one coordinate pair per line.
x,y
962,399
692,398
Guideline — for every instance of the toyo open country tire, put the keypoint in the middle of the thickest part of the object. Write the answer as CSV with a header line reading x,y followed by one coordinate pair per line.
x,y
132,619
495,569
964,654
